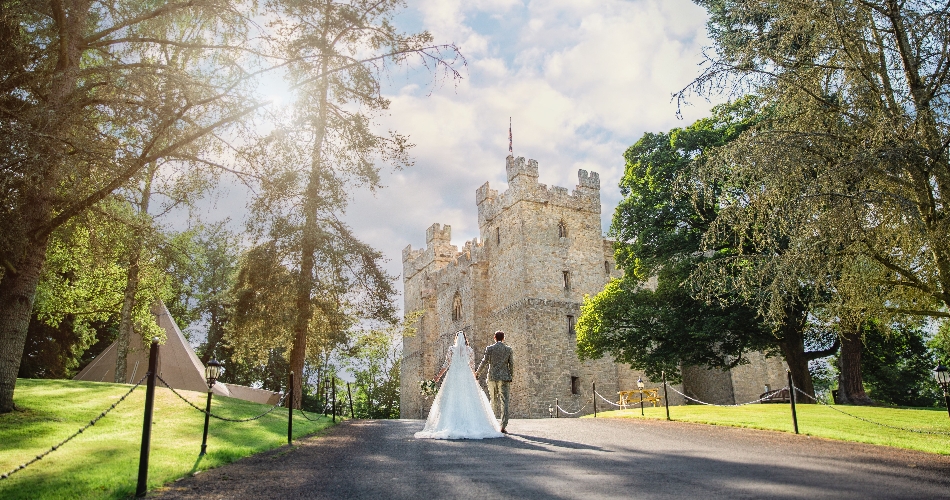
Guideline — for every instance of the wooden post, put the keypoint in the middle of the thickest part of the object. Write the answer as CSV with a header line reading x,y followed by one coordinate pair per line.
x,y
142,485
290,410
349,396
333,391
666,398
593,388
557,408
791,398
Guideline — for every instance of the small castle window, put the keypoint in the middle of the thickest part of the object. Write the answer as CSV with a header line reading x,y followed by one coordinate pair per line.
x,y
498,235
575,385
561,230
567,279
570,325
607,267
457,307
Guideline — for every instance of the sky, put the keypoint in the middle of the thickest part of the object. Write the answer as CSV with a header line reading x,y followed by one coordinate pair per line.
x,y
580,80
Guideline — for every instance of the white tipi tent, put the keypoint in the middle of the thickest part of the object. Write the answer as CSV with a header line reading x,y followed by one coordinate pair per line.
x,y
178,364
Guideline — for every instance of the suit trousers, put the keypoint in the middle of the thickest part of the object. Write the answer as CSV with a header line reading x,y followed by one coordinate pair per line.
x,y
498,389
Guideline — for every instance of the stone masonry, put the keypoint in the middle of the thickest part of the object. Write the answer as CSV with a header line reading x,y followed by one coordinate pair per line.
x,y
540,251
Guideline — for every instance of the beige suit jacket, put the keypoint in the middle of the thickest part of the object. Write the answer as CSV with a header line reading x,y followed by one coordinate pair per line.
x,y
501,366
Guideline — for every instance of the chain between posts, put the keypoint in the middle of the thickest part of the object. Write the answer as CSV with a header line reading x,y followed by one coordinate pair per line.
x,y
919,431
80,431
226,419
300,410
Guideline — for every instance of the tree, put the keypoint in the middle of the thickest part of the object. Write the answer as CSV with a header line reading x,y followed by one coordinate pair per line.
x,y
660,225
855,152
374,359
82,284
897,365
89,96
329,147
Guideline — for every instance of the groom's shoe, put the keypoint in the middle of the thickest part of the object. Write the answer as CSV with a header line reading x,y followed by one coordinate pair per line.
x,y
504,431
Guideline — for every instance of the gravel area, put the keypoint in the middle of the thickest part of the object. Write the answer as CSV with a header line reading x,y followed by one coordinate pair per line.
x,y
572,458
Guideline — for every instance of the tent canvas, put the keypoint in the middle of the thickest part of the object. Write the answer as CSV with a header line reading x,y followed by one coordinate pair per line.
x,y
178,364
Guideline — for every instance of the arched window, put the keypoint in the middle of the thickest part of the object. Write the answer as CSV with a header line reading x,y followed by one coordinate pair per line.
x,y
566,275
607,267
561,230
498,235
457,307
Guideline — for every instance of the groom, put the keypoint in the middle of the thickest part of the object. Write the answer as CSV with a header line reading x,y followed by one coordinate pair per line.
x,y
500,369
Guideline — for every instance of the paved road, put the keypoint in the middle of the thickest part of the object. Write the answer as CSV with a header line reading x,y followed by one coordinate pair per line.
x,y
573,458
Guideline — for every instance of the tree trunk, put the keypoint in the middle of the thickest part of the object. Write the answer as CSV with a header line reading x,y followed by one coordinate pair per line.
x,y
22,273
308,243
125,320
17,292
850,380
792,345
132,286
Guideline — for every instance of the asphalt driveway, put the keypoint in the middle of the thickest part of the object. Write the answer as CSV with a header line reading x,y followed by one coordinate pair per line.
x,y
573,458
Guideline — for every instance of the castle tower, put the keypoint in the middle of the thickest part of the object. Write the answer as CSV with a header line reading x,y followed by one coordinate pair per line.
x,y
540,251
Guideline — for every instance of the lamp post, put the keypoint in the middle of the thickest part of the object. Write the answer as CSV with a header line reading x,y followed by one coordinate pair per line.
x,y
640,387
212,372
942,377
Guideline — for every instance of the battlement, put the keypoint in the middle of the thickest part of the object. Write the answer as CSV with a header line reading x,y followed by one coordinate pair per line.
x,y
485,193
439,250
589,181
521,173
437,233
523,186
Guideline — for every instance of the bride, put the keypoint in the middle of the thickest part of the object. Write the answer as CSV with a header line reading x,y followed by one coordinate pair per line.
x,y
461,409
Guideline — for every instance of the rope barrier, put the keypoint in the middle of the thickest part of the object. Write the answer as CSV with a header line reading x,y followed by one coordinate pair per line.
x,y
610,402
80,431
576,412
279,403
770,396
918,431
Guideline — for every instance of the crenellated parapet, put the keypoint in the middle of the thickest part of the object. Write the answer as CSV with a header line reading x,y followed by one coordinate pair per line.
x,y
523,186
438,252
441,252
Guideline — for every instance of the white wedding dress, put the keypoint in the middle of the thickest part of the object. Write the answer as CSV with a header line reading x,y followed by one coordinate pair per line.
x,y
461,409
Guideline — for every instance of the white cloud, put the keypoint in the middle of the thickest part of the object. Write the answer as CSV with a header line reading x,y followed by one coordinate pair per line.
x,y
582,81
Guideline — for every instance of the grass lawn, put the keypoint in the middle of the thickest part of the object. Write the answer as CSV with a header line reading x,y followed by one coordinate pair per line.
x,y
103,461
820,421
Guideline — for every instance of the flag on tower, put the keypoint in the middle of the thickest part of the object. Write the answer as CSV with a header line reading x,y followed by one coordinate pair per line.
x,y
510,150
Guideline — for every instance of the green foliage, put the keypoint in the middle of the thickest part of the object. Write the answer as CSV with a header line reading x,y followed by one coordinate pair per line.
x,y
51,351
940,343
80,291
659,225
374,359
848,176
896,365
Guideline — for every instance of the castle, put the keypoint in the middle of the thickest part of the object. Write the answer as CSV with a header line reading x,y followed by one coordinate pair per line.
x,y
540,251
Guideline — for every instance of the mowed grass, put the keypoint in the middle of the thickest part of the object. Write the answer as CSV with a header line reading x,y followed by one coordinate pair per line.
x,y
820,421
103,461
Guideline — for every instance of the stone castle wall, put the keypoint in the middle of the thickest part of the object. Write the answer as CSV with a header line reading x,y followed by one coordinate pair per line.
x,y
540,251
